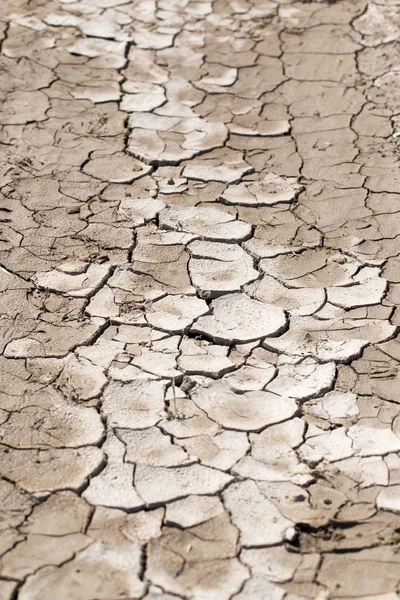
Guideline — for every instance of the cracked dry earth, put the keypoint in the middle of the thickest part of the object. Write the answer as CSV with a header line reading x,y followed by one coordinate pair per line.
x,y
200,282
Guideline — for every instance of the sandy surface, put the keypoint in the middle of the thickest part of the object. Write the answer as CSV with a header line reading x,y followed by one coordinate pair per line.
x,y
199,292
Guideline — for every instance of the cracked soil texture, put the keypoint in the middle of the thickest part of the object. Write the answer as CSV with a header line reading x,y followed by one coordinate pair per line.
x,y
199,300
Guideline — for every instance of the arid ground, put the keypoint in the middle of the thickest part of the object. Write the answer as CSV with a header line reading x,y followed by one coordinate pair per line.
x,y
199,300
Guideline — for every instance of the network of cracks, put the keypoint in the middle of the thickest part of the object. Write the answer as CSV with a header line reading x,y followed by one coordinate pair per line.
x,y
199,293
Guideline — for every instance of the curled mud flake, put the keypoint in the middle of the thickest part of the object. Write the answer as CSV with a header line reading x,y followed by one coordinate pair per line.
x,y
336,407
193,510
209,222
273,189
139,211
176,313
218,76
102,26
176,559
254,375
316,344
389,498
238,318
116,168
46,470
263,524
261,129
184,418
273,455
113,486
313,268
159,266
225,174
151,447
70,280
153,40
95,47
371,437
135,405
219,268
220,451
329,446
200,357
142,97
296,301
336,338
301,381
169,140
365,471
251,411
281,235
161,484
157,364
368,288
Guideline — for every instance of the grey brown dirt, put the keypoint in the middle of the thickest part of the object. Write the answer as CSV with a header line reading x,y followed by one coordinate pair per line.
x,y
199,300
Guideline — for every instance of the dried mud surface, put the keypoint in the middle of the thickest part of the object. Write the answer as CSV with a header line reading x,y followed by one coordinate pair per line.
x,y
199,288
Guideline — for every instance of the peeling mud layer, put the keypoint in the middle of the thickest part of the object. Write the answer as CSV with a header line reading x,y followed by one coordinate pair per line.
x,y
199,293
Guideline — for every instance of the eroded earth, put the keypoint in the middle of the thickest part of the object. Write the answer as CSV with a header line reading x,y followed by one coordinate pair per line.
x,y
200,291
